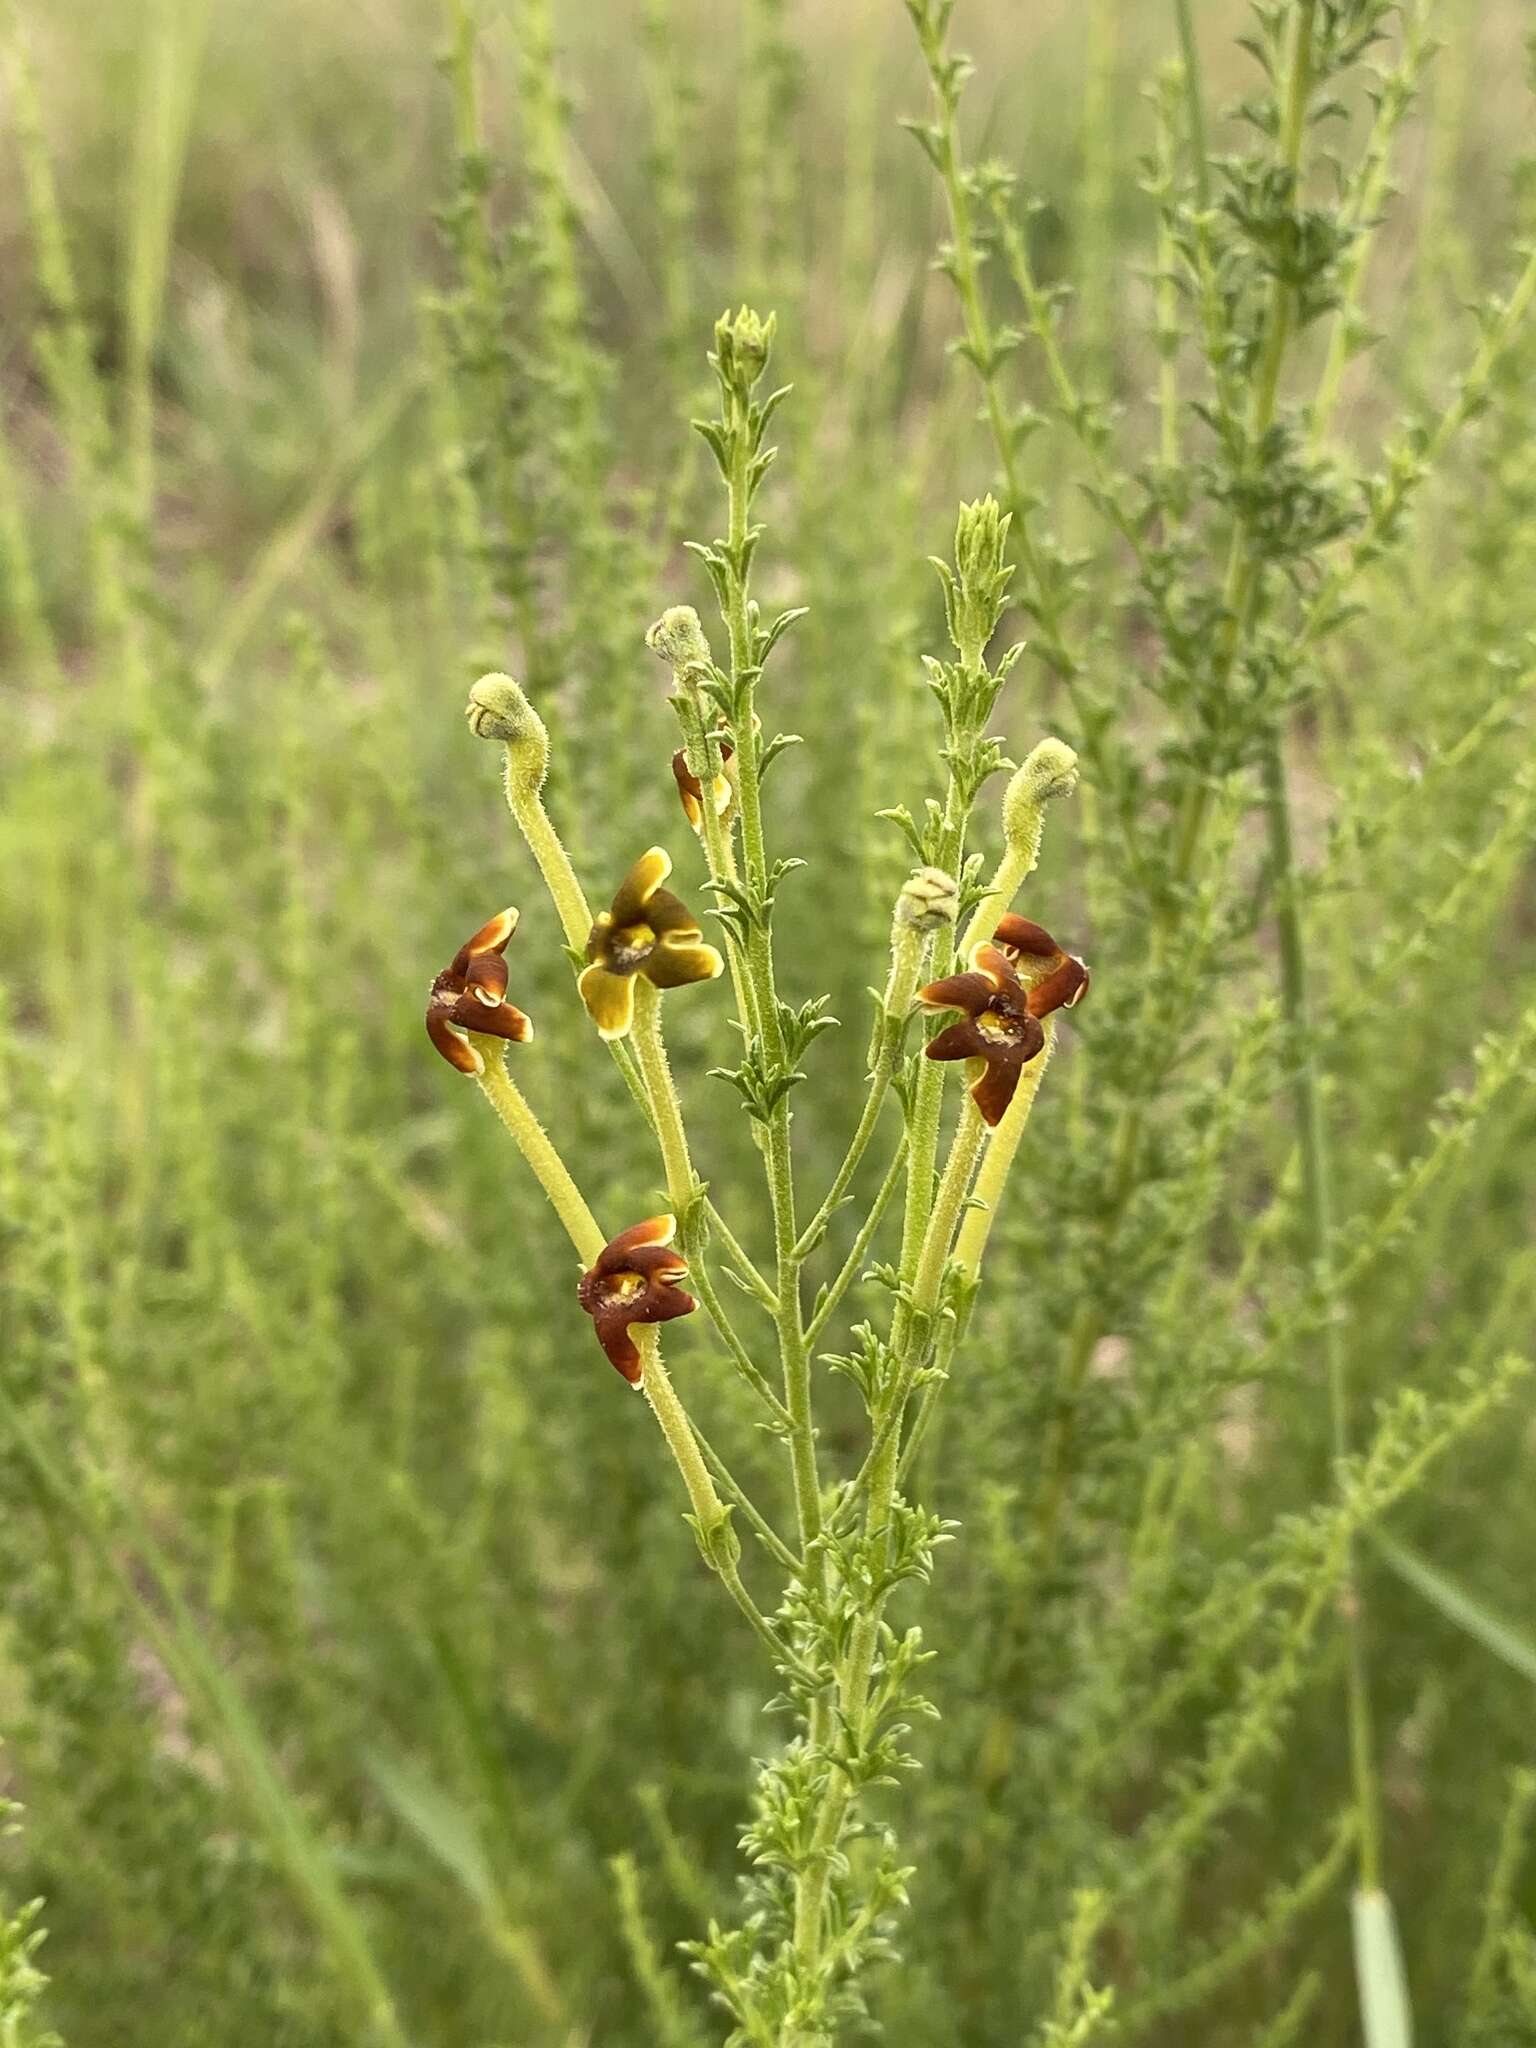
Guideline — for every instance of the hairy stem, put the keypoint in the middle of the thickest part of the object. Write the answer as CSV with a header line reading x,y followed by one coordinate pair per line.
x,y
533,1141
650,1048
710,1514
682,1181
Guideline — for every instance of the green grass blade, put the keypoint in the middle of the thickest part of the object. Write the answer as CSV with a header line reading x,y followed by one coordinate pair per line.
x,y
1384,2009
1506,1642
440,1825
448,1832
271,1807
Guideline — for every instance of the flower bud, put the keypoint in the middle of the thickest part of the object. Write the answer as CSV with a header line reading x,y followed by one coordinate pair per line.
x,y
929,900
1049,772
975,593
678,638
499,710
743,342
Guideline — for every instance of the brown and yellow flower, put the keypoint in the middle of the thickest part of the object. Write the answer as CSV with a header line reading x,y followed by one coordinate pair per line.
x,y
634,1281
690,790
997,1027
470,995
1056,980
647,931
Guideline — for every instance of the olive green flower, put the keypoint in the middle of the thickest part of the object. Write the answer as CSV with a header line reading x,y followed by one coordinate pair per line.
x,y
646,931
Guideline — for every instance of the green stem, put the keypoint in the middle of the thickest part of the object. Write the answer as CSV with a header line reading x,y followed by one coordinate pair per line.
x,y
585,1234
656,1385
524,777
1317,1214
682,1182
1013,870
1311,1129
884,1465
901,987
759,1002
793,1352
1241,585
680,639
833,1293
532,1140
950,1337
794,1357
854,1678
702,1280
1167,299
702,752
964,1151
754,1282
548,849
926,1288
771,1541
1371,189
964,269
748,767
650,1048
1194,101
1003,1149
710,1514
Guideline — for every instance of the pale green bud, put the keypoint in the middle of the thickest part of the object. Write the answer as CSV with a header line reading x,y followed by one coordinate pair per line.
x,y
976,591
678,638
1048,773
499,710
743,343
929,900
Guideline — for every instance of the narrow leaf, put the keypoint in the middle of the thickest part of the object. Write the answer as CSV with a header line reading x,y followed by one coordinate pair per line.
x,y
1384,2011
441,1825
1508,1643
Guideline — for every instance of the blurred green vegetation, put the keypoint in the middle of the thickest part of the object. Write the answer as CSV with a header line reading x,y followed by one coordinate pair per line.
x,y
350,1628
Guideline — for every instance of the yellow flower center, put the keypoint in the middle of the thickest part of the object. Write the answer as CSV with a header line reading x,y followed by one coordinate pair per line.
x,y
628,946
1000,1030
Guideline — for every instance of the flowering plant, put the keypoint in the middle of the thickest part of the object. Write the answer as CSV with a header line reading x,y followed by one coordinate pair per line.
x,y
819,1910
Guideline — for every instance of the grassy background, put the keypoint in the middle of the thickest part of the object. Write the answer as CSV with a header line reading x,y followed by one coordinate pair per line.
x,y
296,1401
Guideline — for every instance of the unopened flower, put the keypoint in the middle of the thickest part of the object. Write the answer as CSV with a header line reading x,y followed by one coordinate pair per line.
x,y
929,900
1055,979
691,790
498,709
470,996
743,342
678,637
646,931
634,1281
997,1027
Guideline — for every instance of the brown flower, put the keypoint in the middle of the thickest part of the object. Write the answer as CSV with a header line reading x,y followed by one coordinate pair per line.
x,y
1056,980
470,996
634,1281
997,1027
647,931
691,791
